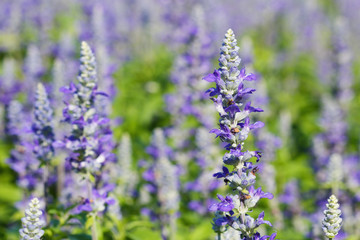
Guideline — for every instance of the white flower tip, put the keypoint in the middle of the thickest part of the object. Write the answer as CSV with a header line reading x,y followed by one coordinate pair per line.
x,y
332,198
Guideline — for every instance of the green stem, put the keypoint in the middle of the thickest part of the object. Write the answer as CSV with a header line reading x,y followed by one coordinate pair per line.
x,y
46,191
93,229
90,197
219,236
61,175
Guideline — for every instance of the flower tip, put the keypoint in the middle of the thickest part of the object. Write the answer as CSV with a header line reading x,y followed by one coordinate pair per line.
x,y
85,46
39,85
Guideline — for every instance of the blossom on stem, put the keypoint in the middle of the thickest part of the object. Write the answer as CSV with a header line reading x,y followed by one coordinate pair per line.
x,y
33,69
90,141
87,137
164,183
31,223
22,159
8,84
14,120
229,97
42,126
332,220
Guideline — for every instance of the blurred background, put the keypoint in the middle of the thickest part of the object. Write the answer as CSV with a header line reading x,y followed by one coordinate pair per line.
x,y
151,56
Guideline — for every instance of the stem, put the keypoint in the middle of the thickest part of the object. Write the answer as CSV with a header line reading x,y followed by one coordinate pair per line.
x,y
46,190
90,197
172,226
335,188
242,214
219,236
93,229
61,175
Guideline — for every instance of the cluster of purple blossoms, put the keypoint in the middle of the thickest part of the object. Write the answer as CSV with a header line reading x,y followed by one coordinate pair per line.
x,y
90,142
14,124
9,87
22,158
163,183
87,136
43,136
190,101
228,96
43,126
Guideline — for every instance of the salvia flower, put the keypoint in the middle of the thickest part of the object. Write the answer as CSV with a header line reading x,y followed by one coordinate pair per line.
x,y
31,223
58,81
90,142
332,220
229,97
125,173
43,126
14,120
8,84
86,141
33,69
22,158
163,182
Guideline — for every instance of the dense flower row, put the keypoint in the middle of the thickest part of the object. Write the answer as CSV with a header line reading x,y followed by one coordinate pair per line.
x,y
93,182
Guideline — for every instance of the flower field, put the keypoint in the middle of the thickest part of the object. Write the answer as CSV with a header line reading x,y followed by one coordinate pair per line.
x,y
179,119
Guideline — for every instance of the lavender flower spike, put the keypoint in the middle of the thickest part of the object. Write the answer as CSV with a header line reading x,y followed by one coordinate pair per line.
x,y
87,77
90,141
81,113
31,223
42,126
42,129
332,220
229,98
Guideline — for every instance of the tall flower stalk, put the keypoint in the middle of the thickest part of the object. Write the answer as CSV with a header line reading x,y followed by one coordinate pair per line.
x,y
42,129
90,138
228,96
192,115
330,146
22,158
163,183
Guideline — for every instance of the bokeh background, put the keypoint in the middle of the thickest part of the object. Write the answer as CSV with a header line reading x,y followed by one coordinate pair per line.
x,y
305,54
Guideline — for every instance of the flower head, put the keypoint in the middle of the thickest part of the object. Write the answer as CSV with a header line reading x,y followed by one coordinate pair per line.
x,y
332,220
90,137
31,223
229,97
42,126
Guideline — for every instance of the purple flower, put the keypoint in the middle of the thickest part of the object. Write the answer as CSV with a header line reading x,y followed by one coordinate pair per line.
x,y
98,202
90,143
162,182
189,102
229,97
90,139
225,172
9,86
42,126
257,236
226,204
